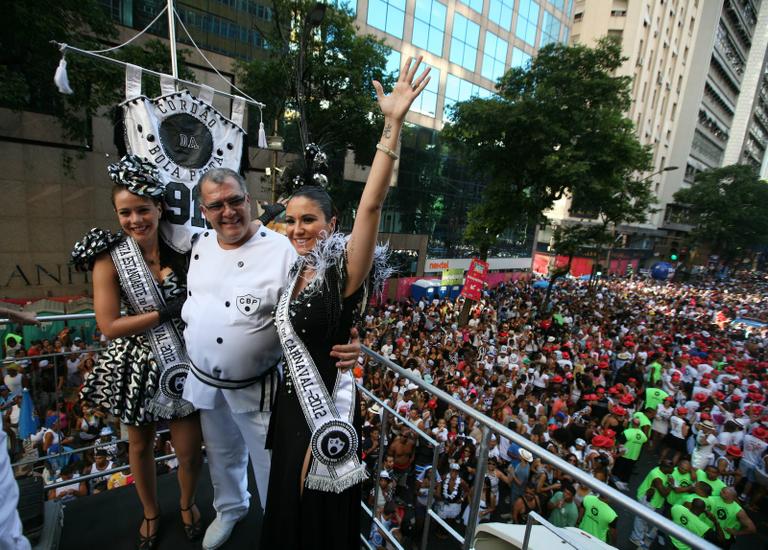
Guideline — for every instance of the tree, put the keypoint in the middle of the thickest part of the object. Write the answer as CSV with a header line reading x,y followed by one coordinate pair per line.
x,y
336,96
554,127
28,61
726,206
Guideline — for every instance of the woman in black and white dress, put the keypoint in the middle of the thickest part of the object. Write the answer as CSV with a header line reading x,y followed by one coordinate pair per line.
x,y
126,379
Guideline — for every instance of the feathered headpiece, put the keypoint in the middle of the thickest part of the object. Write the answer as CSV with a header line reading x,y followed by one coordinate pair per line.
x,y
141,177
315,168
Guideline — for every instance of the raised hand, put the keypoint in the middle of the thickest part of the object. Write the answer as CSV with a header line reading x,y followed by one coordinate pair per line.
x,y
407,88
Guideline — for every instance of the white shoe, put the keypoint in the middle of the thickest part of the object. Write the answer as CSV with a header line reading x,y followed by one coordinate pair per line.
x,y
218,533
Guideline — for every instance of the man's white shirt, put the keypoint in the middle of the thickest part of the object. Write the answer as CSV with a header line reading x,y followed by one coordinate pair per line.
x,y
230,332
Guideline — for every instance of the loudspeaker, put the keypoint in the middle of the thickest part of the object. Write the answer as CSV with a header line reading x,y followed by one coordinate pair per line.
x,y
31,502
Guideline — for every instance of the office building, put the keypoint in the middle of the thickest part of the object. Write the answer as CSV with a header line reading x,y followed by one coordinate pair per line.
x,y
469,44
699,89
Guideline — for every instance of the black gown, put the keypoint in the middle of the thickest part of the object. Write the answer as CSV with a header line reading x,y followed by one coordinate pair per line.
x,y
316,520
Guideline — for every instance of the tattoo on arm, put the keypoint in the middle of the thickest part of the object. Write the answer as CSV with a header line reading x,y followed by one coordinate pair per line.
x,y
388,130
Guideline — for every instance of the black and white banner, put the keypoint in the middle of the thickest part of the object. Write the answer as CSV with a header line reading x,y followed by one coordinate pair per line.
x,y
184,136
334,441
167,346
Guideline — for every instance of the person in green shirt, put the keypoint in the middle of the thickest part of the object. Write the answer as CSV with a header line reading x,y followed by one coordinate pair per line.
x,y
597,518
731,516
563,511
691,516
625,464
652,492
711,477
654,371
654,396
683,482
645,418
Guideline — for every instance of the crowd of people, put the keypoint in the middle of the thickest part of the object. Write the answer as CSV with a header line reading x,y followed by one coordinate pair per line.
x,y
614,378
52,372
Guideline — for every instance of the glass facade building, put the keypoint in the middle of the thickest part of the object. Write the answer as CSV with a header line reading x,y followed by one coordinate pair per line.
x,y
469,43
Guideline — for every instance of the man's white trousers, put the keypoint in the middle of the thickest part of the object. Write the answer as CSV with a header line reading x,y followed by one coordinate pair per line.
x,y
229,439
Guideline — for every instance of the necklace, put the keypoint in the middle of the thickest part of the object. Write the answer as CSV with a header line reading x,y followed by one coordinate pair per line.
x,y
451,495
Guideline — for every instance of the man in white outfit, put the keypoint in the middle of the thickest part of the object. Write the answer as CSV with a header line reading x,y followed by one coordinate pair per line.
x,y
236,274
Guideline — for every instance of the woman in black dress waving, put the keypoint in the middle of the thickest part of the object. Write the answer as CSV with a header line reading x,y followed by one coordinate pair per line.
x,y
314,484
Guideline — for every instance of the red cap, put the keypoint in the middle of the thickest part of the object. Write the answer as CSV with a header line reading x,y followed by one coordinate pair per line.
x,y
613,390
735,398
700,397
618,411
760,433
602,442
557,379
632,381
682,410
706,416
733,450
627,399
609,433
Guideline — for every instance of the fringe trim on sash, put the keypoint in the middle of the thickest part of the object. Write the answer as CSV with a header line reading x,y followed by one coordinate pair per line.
x,y
180,409
339,484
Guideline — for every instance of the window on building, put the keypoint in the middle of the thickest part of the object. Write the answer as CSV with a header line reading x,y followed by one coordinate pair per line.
x,y
393,63
566,35
387,15
426,103
558,4
520,58
429,26
494,57
464,42
457,89
476,5
527,21
500,12
550,29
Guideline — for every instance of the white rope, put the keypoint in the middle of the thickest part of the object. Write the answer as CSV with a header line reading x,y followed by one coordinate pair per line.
x,y
145,29
66,47
232,84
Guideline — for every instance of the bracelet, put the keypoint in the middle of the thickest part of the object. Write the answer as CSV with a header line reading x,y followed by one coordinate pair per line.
x,y
387,151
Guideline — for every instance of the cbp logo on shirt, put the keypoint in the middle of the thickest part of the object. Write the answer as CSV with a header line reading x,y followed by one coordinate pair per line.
x,y
248,304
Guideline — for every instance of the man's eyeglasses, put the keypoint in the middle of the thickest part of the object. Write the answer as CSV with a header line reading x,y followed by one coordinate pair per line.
x,y
218,206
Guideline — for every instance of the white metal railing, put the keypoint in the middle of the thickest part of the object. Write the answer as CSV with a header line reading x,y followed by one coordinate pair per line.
x,y
489,425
